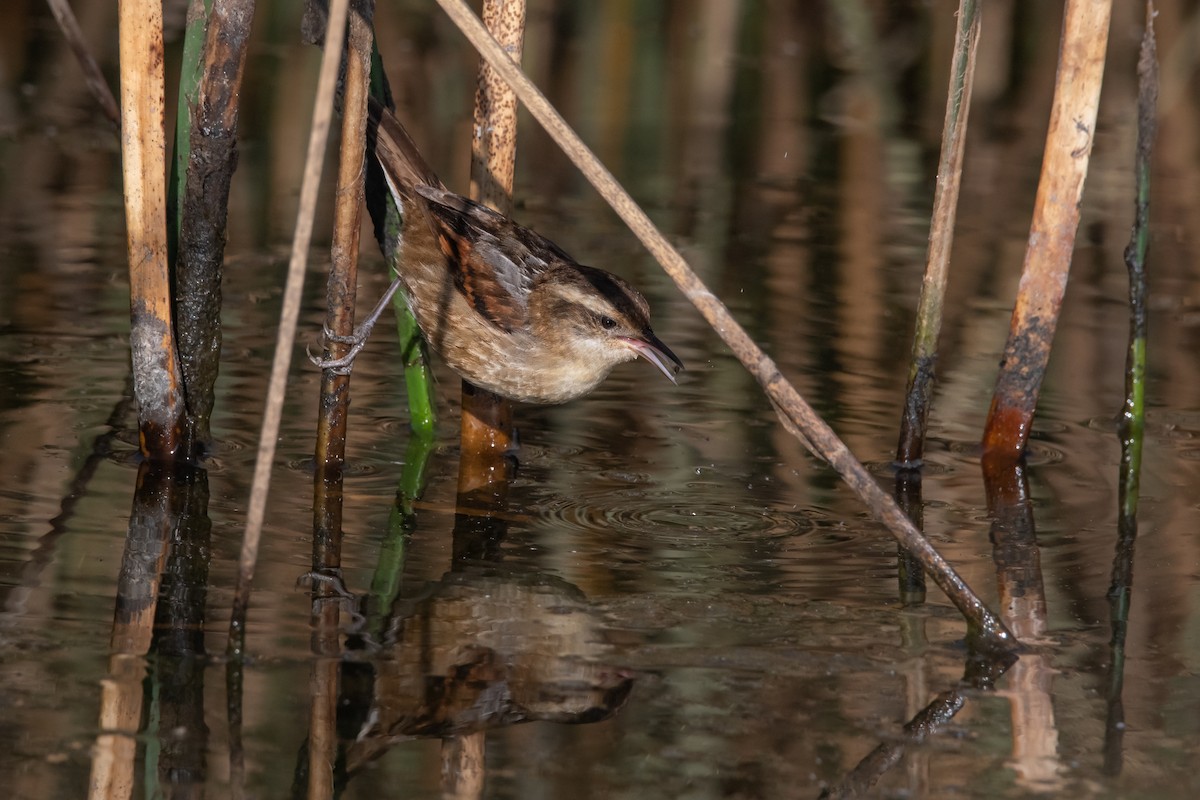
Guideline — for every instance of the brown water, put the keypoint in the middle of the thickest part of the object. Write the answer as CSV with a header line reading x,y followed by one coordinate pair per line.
x,y
674,573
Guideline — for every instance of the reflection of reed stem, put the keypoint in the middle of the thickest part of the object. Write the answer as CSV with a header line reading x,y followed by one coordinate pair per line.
x,y
1023,597
389,568
463,766
911,579
979,676
17,594
322,727
152,520
796,414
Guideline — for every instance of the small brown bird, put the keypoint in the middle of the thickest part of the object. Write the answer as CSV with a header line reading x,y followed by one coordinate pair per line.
x,y
506,308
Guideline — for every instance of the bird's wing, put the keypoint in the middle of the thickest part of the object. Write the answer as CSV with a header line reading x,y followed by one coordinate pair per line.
x,y
397,153
494,260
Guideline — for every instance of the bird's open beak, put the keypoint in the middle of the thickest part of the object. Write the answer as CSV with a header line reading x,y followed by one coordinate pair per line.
x,y
653,350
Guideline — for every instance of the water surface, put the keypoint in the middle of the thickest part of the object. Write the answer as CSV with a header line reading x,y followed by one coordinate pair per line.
x,y
674,574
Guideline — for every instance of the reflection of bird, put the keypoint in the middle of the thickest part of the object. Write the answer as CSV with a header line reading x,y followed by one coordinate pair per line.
x,y
508,310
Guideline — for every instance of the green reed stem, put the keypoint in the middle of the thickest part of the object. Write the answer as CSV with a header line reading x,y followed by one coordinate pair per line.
x,y
1133,415
189,83
389,569
422,407
418,378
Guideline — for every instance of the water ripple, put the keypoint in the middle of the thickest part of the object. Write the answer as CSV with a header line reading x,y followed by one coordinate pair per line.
x,y
663,517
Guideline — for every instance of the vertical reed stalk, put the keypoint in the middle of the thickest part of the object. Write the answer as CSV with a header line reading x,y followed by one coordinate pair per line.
x,y
211,153
418,379
347,222
286,339
1133,414
487,426
335,402
487,418
921,371
157,382
1052,233
389,569
494,145
189,85
941,238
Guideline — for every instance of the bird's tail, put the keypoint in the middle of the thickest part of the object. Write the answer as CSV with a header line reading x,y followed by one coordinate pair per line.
x,y
402,162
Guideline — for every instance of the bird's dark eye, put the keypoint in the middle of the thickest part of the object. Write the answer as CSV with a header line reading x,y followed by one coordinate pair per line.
x,y
608,323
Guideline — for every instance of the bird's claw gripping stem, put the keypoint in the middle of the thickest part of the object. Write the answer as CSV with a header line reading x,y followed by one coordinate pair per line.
x,y
357,340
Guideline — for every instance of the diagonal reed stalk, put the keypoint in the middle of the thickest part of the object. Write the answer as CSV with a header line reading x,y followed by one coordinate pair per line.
x,y
987,630
92,75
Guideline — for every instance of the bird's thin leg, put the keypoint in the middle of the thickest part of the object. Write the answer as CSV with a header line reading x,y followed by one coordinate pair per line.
x,y
356,340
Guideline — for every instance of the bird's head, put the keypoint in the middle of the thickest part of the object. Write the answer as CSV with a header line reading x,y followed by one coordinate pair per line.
x,y
598,318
